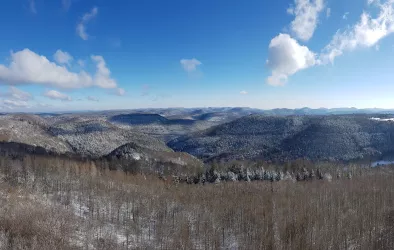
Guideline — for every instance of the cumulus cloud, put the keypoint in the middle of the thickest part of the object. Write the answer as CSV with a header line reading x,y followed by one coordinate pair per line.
x,y
27,67
92,98
306,14
286,57
81,27
243,92
17,94
62,57
344,17
367,32
56,95
190,65
102,78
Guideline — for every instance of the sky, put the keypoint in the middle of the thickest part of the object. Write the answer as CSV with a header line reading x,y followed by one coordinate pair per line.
x,y
117,54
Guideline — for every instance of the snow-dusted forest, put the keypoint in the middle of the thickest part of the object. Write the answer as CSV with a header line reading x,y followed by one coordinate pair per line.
x,y
49,202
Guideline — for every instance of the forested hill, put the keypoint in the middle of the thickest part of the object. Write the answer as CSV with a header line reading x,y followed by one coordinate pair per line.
x,y
333,137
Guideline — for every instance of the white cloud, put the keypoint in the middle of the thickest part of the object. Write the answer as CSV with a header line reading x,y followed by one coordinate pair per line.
x,y
11,104
32,6
92,98
56,95
17,99
62,57
306,14
243,92
286,57
17,94
66,4
81,27
345,15
190,65
366,33
81,31
328,12
290,10
102,78
27,67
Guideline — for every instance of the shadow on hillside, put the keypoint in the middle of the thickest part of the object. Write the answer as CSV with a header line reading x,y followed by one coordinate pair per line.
x,y
147,119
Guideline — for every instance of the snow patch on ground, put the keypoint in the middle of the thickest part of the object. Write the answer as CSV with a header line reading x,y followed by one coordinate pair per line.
x,y
136,156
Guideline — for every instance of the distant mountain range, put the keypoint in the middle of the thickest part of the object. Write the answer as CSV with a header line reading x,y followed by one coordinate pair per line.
x,y
238,110
227,133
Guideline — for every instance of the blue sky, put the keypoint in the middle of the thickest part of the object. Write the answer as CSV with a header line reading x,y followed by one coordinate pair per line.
x,y
101,54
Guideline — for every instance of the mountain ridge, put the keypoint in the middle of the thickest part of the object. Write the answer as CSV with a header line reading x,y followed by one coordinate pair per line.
x,y
274,111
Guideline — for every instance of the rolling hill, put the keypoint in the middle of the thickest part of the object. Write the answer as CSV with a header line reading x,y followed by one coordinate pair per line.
x,y
333,137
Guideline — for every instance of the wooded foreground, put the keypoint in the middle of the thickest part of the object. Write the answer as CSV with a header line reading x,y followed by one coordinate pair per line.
x,y
57,203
